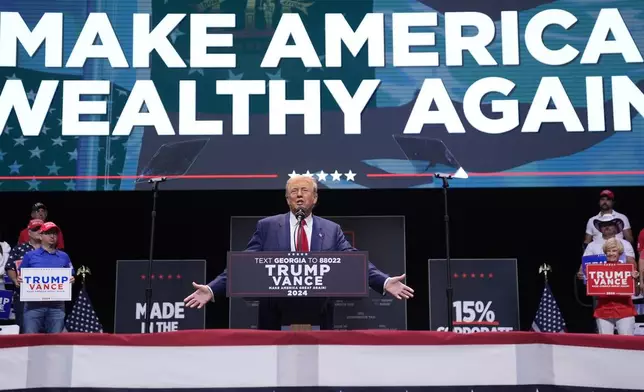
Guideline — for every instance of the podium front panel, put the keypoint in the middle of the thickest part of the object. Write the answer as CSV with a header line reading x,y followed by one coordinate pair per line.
x,y
486,295
382,236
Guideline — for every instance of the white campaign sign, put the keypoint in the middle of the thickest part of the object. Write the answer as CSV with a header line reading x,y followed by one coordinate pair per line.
x,y
46,284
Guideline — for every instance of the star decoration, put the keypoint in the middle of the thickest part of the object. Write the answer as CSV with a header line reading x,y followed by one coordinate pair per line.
x,y
70,185
276,76
176,33
53,169
58,141
232,76
322,175
2,154
15,168
31,95
33,184
12,77
20,141
73,155
7,129
293,174
351,176
308,174
35,153
193,70
335,176
44,129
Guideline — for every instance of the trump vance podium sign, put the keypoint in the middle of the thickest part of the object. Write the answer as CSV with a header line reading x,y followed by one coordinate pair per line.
x,y
293,274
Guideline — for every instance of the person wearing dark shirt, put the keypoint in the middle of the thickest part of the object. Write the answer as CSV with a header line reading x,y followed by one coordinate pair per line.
x,y
15,259
40,211
47,316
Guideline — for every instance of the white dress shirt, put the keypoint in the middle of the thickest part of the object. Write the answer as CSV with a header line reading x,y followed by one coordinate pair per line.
x,y
308,229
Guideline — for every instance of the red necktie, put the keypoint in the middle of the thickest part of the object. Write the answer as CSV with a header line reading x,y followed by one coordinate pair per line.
x,y
303,241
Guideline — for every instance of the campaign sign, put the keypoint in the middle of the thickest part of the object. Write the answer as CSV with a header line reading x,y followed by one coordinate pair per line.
x,y
171,283
46,284
485,296
591,259
6,296
293,274
612,279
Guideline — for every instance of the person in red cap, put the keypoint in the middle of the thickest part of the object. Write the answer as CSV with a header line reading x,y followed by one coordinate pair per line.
x,y
40,211
15,259
606,201
48,317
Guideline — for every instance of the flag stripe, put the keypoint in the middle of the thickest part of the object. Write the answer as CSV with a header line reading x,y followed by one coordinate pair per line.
x,y
285,365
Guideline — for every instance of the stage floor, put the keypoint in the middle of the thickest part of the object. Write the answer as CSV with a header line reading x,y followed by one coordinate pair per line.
x,y
231,360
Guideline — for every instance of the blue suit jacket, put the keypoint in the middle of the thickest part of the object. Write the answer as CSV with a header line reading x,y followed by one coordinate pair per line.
x,y
274,234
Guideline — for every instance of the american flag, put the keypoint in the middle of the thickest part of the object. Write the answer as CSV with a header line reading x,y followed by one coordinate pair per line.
x,y
548,318
30,158
83,317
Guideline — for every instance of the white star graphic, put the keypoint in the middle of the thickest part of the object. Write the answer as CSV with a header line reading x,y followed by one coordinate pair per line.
x,y
12,77
20,141
35,153
7,129
58,141
293,174
15,168
176,33
31,95
193,70
53,169
52,110
308,174
73,155
44,129
2,154
276,76
110,160
121,92
351,176
33,184
322,175
71,185
335,176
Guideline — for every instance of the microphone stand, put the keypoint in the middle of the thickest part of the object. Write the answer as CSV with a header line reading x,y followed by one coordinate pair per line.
x,y
449,290
148,291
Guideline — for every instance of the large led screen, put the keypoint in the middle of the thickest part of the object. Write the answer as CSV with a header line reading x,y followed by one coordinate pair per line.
x,y
240,94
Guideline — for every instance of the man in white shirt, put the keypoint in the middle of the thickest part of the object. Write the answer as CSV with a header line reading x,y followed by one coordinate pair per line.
x,y
609,226
606,200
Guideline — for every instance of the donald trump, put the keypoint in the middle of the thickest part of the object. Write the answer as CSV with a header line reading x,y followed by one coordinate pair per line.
x,y
278,233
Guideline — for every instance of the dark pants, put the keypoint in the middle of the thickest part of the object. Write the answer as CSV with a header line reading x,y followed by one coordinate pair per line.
x,y
273,313
47,318
18,310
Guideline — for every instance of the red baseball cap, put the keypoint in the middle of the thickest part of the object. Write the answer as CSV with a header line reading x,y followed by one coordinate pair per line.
x,y
607,193
34,223
47,226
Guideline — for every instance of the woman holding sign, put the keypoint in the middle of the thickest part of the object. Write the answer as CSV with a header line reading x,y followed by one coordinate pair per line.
x,y
615,311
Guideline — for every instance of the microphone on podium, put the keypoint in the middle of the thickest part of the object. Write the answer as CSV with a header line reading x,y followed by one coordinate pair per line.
x,y
300,215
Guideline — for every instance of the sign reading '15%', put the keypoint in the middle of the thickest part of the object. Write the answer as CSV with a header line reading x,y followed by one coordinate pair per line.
x,y
288,274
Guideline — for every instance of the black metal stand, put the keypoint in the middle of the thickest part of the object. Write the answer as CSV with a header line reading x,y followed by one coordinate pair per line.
x,y
148,291
449,290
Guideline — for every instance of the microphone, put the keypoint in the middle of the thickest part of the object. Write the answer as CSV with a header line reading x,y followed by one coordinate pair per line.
x,y
300,214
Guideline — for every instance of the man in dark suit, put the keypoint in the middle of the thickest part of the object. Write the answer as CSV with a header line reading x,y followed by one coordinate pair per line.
x,y
277,233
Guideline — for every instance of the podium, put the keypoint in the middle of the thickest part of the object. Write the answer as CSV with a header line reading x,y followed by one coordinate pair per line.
x,y
295,289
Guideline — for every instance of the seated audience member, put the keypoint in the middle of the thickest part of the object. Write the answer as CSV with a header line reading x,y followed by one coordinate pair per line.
x,y
615,311
48,317
40,211
606,201
15,259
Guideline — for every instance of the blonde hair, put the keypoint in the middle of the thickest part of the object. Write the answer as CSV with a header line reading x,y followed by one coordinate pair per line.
x,y
312,180
613,243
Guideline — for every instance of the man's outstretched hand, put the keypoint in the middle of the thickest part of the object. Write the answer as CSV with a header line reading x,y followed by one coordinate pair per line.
x,y
397,288
200,297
